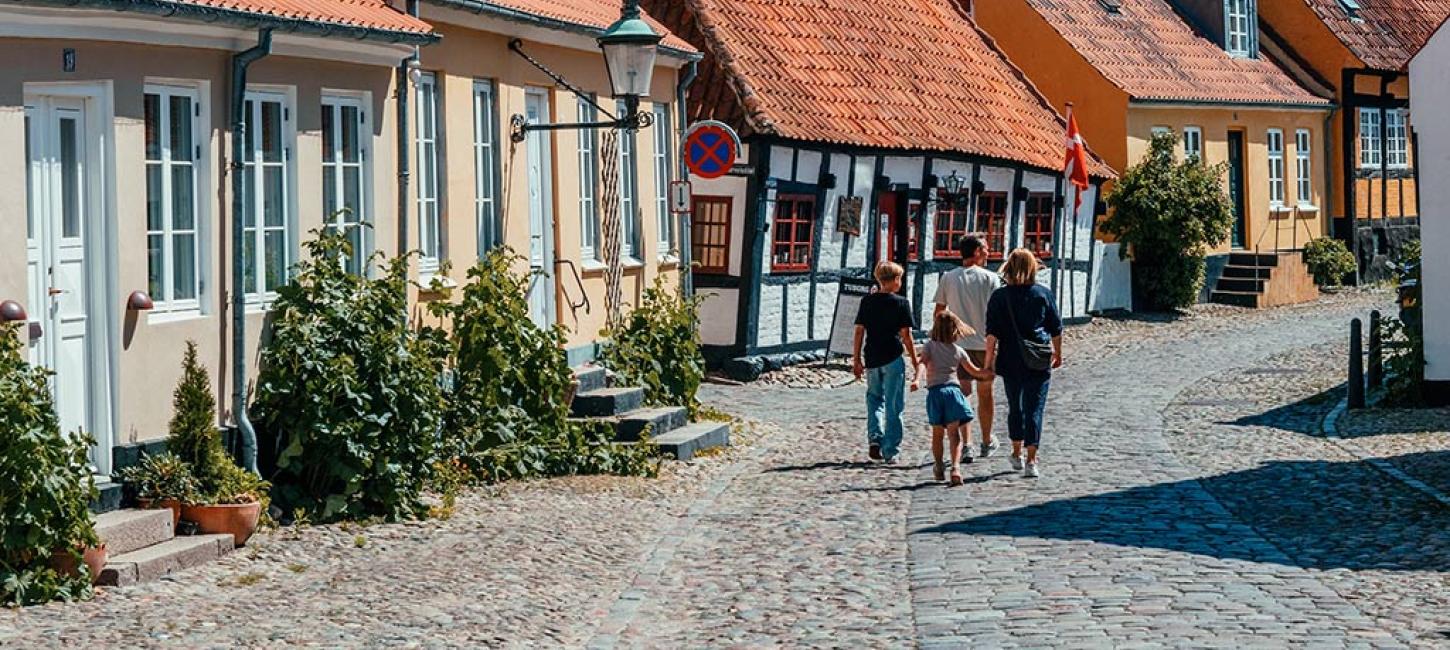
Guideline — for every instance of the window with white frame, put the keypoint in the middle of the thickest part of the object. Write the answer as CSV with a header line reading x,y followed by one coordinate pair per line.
x,y
430,226
173,255
1369,137
1192,143
628,191
345,199
588,151
266,182
662,146
1276,167
485,167
1238,27
1397,140
1303,168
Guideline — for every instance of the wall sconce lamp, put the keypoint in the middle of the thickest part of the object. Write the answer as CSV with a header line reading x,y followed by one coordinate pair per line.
x,y
139,301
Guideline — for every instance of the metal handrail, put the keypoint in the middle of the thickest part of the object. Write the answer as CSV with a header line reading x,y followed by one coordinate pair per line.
x,y
579,282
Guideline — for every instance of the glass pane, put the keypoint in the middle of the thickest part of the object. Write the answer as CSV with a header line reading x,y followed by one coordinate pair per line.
x,y
29,187
249,261
154,267
329,195
428,183
329,146
249,134
249,194
153,127
154,198
354,237
803,232
70,181
272,209
183,201
272,131
349,134
183,266
181,136
276,259
352,193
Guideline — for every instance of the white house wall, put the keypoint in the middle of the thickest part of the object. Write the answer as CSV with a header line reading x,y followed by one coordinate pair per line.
x,y
1430,78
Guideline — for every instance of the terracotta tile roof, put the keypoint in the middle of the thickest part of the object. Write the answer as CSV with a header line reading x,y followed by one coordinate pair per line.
x,y
1150,52
366,14
1388,32
893,74
594,14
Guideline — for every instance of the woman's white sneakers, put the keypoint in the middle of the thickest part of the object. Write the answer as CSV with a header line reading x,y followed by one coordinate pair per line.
x,y
1016,462
1031,471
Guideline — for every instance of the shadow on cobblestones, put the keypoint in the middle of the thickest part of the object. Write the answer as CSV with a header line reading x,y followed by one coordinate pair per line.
x,y
844,464
1303,416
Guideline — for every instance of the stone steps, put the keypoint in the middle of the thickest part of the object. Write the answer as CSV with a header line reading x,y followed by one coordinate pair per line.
x,y
603,402
622,409
683,443
1258,280
108,497
124,531
141,545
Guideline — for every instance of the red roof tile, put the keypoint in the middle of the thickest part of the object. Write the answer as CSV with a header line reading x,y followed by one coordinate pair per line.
x,y
894,74
367,14
1150,52
1388,32
597,14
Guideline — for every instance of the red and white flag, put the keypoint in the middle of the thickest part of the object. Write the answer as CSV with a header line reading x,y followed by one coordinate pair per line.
x,y
1075,167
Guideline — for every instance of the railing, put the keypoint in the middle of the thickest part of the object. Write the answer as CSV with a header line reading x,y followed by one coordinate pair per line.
x,y
578,282
1294,226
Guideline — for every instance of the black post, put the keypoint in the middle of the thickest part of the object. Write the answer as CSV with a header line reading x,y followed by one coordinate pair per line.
x,y
1356,364
1376,350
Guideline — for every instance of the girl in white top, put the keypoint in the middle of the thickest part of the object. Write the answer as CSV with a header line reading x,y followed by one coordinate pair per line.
x,y
946,406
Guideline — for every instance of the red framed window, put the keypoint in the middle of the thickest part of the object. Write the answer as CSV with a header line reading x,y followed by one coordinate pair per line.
x,y
992,221
951,226
1037,233
710,233
795,216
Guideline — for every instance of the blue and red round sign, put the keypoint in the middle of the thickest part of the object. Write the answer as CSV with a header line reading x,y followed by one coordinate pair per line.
x,y
710,149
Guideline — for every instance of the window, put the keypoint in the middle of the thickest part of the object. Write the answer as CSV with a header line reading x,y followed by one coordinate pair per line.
x,y
913,212
1037,230
951,225
710,233
430,227
1397,149
172,149
662,147
628,191
1161,130
266,182
344,180
1369,137
992,221
588,182
485,167
1192,143
1238,27
794,231
1303,168
1275,141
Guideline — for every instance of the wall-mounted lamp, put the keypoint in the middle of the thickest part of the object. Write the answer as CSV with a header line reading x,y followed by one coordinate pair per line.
x,y
978,187
953,182
12,311
139,301
828,181
415,70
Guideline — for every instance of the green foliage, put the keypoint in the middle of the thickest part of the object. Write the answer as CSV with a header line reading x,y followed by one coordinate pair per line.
x,y
45,486
1407,263
1329,260
657,346
163,476
194,439
349,390
1169,214
1404,364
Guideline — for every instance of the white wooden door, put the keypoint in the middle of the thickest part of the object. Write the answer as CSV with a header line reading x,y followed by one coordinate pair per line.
x,y
541,211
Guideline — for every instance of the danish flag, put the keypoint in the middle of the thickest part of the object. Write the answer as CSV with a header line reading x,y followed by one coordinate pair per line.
x,y
1075,167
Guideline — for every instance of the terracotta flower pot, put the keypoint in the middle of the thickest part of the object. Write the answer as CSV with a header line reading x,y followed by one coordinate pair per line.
x,y
173,504
237,519
94,558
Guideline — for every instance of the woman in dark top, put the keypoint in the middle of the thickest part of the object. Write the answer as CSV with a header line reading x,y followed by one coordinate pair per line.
x,y
1022,309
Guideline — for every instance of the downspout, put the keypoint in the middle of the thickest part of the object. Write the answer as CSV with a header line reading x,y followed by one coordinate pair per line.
x,y
1326,209
404,153
687,272
240,63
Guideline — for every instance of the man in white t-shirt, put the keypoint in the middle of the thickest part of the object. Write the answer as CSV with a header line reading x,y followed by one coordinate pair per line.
x,y
965,292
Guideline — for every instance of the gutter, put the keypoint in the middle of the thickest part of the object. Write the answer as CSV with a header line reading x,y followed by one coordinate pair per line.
x,y
244,19
1177,103
477,7
687,272
240,62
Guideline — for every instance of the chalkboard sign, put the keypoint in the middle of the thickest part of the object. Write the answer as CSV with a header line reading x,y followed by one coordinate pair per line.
x,y
843,326
848,215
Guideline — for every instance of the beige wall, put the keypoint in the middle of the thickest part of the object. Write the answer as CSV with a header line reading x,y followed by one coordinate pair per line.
x,y
1216,123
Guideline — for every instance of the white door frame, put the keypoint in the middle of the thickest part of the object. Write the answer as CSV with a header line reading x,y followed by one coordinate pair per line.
x,y
99,239
544,278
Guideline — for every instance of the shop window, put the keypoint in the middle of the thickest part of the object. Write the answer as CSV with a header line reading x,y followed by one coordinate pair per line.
x,y
1037,226
951,226
710,234
992,221
794,233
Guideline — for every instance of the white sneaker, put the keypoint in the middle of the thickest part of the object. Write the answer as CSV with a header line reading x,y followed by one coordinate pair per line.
x,y
1031,471
1016,462
989,449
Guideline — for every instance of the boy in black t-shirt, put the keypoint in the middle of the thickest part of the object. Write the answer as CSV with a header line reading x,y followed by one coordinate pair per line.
x,y
884,324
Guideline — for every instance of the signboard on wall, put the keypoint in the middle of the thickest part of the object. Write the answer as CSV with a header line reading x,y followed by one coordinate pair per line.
x,y
843,324
710,149
848,215
679,197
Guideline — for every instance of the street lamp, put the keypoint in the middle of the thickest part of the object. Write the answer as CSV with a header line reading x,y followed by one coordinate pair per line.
x,y
953,183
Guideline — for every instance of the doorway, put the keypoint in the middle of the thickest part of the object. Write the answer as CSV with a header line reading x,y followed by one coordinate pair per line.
x,y
1236,186
541,210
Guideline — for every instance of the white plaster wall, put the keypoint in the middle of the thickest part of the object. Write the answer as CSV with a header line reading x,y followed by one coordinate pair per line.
x,y
808,166
865,177
831,239
718,315
826,293
797,311
780,161
904,169
768,325
1112,279
1430,79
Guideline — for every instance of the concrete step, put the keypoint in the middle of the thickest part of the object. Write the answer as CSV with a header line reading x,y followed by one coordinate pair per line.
x,y
108,497
1241,285
591,378
1253,259
683,443
152,562
607,401
629,426
1247,272
1238,298
124,531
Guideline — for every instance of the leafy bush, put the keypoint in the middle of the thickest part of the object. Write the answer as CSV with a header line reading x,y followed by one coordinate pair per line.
x,y
1170,214
1404,350
45,486
1329,260
163,476
657,346
348,391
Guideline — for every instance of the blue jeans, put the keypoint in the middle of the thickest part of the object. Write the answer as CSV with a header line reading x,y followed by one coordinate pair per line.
x,y
1026,400
885,401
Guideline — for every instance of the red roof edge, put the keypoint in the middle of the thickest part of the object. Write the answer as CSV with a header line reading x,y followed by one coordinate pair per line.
x,y
750,107
1433,33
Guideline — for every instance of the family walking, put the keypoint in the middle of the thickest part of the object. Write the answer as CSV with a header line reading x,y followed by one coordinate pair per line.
x,y
985,326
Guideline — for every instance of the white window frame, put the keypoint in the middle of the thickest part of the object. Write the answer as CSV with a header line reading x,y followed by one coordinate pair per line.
x,y
1369,138
1397,139
262,294
1274,144
166,303
588,158
1303,168
665,228
1238,27
335,102
628,192
486,166
1193,143
427,140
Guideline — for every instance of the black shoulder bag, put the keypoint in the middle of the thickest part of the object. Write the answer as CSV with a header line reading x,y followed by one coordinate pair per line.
x,y
1036,355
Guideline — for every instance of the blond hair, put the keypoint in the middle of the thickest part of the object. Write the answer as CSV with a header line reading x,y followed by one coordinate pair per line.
x,y
1021,268
889,271
947,328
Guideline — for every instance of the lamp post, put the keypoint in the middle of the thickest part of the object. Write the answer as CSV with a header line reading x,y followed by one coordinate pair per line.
x,y
953,183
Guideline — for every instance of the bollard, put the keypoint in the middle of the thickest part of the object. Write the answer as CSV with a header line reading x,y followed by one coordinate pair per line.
x,y
1376,372
1356,364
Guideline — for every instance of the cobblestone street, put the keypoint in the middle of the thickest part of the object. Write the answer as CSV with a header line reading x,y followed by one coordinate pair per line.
x,y
1189,497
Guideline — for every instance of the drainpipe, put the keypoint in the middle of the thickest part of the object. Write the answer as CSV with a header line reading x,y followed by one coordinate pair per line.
x,y
240,62
404,162
1326,208
687,274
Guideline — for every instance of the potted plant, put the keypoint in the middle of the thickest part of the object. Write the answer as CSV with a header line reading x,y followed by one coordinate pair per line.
x,y
234,508
162,481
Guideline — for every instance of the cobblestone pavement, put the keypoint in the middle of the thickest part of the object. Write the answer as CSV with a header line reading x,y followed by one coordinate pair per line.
x,y
1417,441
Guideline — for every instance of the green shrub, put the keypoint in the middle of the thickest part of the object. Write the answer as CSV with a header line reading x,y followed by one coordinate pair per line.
x,y
1169,215
45,486
348,391
193,434
1329,261
163,476
657,346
